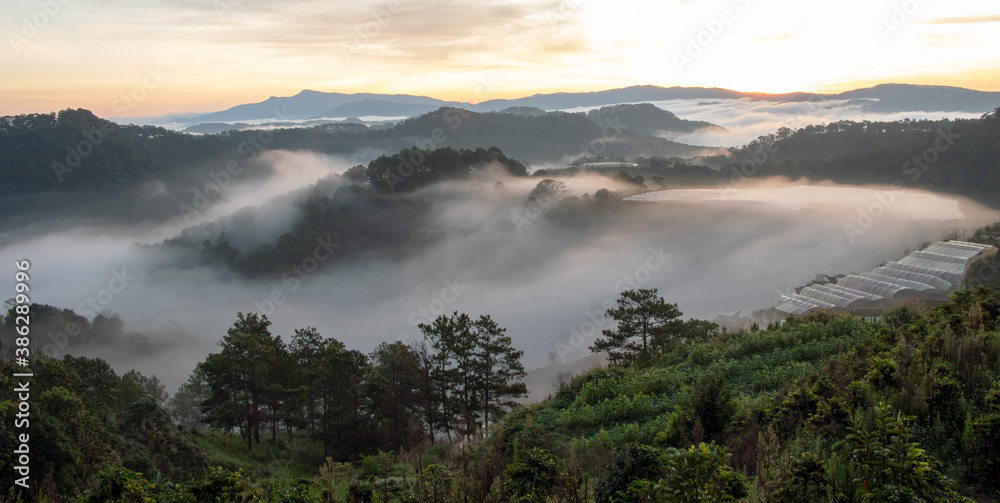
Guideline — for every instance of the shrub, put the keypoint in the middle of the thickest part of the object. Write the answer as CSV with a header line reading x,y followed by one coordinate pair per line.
x,y
533,475
698,474
804,480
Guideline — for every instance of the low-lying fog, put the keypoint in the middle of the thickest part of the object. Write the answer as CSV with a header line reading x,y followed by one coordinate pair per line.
x,y
545,283
745,119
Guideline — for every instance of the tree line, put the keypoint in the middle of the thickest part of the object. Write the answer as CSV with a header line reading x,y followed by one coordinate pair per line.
x,y
453,383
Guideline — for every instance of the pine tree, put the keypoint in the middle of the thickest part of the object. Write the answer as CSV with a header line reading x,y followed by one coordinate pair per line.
x,y
642,316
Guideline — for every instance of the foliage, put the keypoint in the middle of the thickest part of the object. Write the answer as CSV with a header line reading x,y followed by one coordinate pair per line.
x,y
885,464
700,473
533,475
804,480
72,162
414,168
644,321
824,408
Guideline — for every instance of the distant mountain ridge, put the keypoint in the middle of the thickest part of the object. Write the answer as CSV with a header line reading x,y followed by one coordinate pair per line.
x,y
310,104
380,108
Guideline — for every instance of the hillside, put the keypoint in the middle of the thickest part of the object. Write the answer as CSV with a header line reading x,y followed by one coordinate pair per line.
x,y
794,413
646,119
371,211
531,138
73,164
957,156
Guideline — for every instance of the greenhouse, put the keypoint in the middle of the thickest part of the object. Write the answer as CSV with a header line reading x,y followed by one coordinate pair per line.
x,y
926,275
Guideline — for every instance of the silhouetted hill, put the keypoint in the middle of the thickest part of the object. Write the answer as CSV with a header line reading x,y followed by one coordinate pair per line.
x,y
308,104
73,164
902,91
646,119
537,138
964,154
380,108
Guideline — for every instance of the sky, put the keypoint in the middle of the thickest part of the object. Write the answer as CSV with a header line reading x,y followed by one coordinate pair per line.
x,y
135,58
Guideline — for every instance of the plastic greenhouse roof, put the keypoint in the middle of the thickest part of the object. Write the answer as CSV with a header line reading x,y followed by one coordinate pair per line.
x,y
911,259
929,273
954,250
874,286
839,301
851,291
915,285
950,276
928,279
797,304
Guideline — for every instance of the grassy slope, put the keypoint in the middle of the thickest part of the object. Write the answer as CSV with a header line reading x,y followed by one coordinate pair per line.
x,y
794,389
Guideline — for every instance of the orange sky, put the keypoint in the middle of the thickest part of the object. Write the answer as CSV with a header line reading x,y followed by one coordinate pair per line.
x,y
122,59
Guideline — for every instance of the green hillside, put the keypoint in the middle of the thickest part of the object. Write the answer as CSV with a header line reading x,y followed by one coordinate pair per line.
x,y
829,408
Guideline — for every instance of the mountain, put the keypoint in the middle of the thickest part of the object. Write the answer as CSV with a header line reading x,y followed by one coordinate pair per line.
x,y
308,104
902,91
314,104
75,165
853,152
380,108
971,102
634,94
543,138
892,98
646,119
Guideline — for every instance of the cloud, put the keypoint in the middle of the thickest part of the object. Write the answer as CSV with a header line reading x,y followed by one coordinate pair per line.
x,y
965,20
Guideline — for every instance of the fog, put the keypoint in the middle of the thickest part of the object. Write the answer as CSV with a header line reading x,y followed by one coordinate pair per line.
x,y
746,119
546,282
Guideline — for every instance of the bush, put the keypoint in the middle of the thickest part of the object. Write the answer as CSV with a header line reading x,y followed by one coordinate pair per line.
x,y
882,461
533,475
633,461
698,474
702,413
118,484
804,480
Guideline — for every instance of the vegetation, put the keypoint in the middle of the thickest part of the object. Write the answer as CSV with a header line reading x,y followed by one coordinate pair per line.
x,y
645,119
826,408
956,156
73,162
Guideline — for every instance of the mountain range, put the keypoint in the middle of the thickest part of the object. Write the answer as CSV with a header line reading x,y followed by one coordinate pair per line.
x,y
309,104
